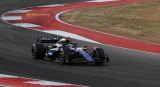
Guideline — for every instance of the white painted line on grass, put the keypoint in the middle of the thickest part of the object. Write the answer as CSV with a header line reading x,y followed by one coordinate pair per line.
x,y
26,25
58,18
7,18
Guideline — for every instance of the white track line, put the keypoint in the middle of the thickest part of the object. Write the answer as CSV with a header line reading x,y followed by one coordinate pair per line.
x,y
4,86
7,18
26,25
102,0
7,76
54,5
19,11
67,34
48,83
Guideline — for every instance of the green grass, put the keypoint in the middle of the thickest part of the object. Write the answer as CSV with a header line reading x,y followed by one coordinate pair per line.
x,y
140,20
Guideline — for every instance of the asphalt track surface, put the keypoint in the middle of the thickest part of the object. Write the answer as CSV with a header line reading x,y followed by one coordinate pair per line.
x,y
126,69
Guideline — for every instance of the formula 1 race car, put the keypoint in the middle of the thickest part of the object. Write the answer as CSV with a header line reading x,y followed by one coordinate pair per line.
x,y
64,51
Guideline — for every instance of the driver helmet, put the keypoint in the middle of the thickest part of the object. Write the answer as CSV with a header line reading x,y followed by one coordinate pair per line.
x,y
63,41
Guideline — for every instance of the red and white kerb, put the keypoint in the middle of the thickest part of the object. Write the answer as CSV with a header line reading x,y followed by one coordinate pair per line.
x,y
16,81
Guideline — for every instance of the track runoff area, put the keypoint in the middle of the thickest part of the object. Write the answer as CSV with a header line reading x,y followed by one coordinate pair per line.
x,y
47,19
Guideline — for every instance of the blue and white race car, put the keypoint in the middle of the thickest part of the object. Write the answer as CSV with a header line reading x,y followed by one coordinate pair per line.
x,y
64,51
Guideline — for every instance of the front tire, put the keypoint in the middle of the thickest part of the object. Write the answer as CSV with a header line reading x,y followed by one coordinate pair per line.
x,y
99,55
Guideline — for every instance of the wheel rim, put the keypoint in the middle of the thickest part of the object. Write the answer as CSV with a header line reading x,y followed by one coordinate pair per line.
x,y
61,58
94,54
34,52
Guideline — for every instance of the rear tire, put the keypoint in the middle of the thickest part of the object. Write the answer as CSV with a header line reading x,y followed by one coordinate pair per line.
x,y
38,51
99,54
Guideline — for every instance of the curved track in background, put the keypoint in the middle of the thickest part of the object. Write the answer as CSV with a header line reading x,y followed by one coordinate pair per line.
x,y
127,68
46,18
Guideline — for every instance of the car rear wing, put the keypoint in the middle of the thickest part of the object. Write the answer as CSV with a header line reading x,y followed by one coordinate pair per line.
x,y
48,39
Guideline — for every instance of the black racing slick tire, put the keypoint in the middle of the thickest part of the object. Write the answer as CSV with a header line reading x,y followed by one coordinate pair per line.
x,y
65,56
38,51
99,55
